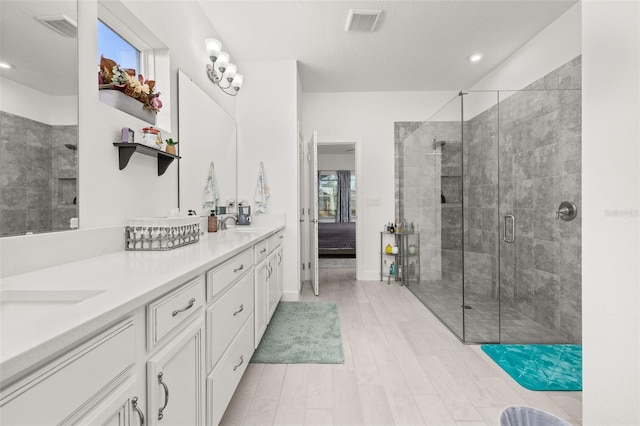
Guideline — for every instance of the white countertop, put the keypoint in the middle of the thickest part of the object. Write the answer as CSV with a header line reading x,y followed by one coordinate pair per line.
x,y
116,284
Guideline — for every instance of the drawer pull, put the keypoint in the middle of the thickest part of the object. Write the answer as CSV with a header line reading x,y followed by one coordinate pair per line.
x,y
189,306
281,237
240,268
241,362
239,310
166,395
264,250
134,404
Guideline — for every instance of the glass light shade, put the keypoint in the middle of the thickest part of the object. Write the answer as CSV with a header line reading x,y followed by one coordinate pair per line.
x,y
230,72
237,81
214,47
222,61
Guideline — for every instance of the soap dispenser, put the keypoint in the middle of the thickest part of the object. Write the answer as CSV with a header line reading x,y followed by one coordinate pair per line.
x,y
213,222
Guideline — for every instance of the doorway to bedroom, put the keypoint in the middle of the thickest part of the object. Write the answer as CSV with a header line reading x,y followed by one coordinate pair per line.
x,y
337,206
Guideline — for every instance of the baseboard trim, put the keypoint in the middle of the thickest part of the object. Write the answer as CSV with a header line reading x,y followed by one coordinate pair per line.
x,y
290,296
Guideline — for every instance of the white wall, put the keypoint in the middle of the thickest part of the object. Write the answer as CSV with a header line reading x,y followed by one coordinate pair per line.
x,y
107,196
370,117
267,116
27,102
336,161
611,223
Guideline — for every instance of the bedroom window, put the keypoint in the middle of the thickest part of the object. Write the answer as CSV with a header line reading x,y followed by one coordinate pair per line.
x,y
328,195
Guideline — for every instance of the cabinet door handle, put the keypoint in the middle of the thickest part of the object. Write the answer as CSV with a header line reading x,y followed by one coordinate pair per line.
x,y
281,237
239,310
241,362
239,268
264,250
189,306
166,395
134,404
279,259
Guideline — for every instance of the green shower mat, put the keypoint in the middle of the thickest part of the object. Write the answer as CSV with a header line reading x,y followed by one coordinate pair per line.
x,y
540,367
302,333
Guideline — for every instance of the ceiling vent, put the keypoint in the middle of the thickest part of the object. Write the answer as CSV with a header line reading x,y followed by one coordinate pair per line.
x,y
362,20
61,24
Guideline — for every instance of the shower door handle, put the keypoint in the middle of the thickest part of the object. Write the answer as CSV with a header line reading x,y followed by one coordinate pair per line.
x,y
513,229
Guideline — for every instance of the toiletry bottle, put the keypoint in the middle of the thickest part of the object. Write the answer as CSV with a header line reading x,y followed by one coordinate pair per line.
x,y
212,224
442,199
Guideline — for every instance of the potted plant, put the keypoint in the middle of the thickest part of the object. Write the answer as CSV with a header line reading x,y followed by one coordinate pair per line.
x,y
171,146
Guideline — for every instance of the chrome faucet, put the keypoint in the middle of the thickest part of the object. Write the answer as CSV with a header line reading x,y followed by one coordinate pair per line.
x,y
223,222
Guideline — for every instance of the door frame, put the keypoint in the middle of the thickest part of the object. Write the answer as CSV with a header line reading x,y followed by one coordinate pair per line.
x,y
357,142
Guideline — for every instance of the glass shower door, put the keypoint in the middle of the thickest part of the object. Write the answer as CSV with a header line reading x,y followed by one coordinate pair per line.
x,y
539,252
481,302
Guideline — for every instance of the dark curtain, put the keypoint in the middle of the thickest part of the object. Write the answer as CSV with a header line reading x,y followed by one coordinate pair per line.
x,y
343,213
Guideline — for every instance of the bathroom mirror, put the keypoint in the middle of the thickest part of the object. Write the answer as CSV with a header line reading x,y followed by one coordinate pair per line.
x,y
38,116
207,134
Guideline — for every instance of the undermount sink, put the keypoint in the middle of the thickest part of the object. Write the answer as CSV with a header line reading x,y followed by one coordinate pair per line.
x,y
19,305
247,229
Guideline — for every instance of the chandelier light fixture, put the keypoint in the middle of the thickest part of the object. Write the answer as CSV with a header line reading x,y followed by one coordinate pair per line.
x,y
220,71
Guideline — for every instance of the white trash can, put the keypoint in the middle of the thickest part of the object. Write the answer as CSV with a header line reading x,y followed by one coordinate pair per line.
x,y
528,416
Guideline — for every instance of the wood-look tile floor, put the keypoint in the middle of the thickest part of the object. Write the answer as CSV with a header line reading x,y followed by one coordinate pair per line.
x,y
402,367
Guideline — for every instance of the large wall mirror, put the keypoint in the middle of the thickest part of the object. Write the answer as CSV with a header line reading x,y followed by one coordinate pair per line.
x,y
207,134
38,116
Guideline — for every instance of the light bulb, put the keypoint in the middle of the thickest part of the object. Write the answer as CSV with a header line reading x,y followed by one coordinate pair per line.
x,y
214,47
237,81
476,57
230,72
222,61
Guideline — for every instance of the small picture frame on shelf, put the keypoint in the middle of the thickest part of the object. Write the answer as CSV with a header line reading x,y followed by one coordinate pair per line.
x,y
127,135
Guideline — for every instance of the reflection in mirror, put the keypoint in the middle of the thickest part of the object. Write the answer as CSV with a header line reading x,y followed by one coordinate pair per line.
x,y
38,116
207,134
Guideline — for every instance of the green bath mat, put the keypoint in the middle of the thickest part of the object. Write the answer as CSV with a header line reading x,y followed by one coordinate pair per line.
x,y
540,367
302,333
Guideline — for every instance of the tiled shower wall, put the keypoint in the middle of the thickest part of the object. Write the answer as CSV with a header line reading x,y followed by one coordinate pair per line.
x,y
540,166
38,176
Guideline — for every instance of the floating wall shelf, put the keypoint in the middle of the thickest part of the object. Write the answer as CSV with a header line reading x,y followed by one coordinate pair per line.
x,y
126,150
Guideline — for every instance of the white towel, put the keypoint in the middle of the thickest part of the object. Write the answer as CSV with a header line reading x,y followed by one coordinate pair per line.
x,y
210,194
262,191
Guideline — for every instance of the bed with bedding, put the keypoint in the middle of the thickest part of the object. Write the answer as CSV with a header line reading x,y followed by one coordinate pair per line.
x,y
337,239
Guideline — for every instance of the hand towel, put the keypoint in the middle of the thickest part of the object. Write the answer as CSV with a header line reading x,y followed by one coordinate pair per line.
x,y
210,194
262,191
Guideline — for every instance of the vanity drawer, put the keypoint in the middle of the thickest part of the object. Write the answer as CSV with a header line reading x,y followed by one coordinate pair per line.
x,y
171,310
261,249
275,240
223,380
219,278
71,383
226,317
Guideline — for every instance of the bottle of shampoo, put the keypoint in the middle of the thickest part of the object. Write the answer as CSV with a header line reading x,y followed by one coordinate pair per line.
x,y
212,224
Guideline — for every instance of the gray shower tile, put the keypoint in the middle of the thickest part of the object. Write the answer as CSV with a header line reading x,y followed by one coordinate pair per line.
x,y
38,220
13,129
523,196
551,80
546,224
13,198
524,222
39,197
524,252
451,216
571,261
489,241
13,222
524,165
547,256
489,219
570,189
13,175
12,152
451,260
570,96
571,78
524,290
546,129
571,156
452,238
571,121
490,196
507,279
478,265
546,192
474,218
38,134
546,299
547,161
475,196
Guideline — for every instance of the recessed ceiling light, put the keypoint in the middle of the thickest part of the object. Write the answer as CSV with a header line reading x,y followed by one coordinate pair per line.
x,y
476,57
6,65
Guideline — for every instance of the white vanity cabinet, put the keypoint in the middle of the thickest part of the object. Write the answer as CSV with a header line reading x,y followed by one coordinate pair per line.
x,y
175,358
175,380
71,386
